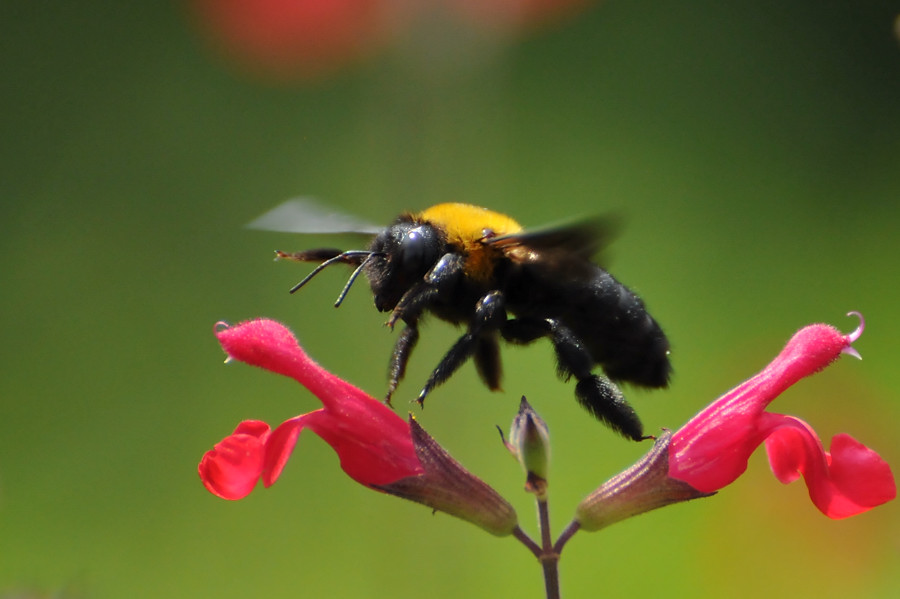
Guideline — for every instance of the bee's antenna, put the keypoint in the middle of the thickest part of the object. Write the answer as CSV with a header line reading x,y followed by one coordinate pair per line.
x,y
355,274
348,257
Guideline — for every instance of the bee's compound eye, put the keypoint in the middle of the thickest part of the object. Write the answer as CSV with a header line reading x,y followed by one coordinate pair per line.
x,y
418,248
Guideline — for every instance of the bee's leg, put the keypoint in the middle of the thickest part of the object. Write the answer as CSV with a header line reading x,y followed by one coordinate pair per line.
x,y
598,395
605,401
400,356
412,303
440,279
487,361
490,313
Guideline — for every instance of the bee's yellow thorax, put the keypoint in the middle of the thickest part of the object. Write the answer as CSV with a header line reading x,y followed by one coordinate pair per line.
x,y
466,226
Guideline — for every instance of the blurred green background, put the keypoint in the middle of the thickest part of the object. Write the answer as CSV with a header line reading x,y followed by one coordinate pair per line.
x,y
753,149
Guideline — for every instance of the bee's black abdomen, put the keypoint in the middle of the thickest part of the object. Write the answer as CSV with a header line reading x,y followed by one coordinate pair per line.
x,y
626,340
605,316
642,356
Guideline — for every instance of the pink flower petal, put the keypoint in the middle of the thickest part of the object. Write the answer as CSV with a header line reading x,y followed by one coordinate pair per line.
x,y
850,480
232,468
712,449
271,345
368,454
373,443
280,446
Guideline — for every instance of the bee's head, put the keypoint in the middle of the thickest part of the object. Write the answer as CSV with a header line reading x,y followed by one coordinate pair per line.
x,y
401,256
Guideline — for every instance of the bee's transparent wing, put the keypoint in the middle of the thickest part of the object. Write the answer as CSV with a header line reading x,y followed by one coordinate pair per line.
x,y
305,215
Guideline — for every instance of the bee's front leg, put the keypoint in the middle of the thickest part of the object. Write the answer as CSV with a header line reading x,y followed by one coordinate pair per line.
x,y
442,276
400,356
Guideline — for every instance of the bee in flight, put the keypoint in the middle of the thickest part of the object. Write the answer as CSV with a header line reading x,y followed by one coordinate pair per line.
x,y
479,269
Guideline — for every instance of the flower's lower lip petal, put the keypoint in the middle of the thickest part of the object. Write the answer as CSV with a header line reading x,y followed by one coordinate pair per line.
x,y
254,428
232,468
848,481
865,476
794,449
280,446
227,485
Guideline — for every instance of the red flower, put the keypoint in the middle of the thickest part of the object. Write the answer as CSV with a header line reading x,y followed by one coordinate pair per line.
x,y
376,447
373,443
712,449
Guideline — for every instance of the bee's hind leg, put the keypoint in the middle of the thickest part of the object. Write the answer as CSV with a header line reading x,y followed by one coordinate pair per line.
x,y
605,401
598,395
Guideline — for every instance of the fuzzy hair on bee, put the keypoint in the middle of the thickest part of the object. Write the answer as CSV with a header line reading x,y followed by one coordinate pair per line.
x,y
481,270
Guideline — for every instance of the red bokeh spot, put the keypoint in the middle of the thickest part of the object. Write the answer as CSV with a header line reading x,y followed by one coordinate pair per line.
x,y
289,39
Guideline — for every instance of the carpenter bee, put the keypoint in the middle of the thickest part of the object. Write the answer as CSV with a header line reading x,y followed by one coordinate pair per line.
x,y
477,268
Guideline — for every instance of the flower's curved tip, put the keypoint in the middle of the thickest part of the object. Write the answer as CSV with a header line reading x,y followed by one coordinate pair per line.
x,y
854,335
859,330
220,327
851,351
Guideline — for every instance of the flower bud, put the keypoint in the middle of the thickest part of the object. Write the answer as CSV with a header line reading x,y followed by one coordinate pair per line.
x,y
642,488
529,442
